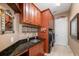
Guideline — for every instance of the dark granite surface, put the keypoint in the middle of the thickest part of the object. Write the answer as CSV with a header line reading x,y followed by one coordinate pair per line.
x,y
11,48
23,47
18,46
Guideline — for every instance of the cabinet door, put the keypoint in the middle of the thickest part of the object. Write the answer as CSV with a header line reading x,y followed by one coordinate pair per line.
x,y
46,17
39,18
35,16
26,18
32,14
34,50
51,24
37,50
41,49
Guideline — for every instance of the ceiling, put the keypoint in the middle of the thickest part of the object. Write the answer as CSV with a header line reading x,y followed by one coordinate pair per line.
x,y
64,7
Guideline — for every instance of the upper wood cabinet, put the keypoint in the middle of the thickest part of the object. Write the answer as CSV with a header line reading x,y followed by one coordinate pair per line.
x,y
47,18
37,17
31,14
51,24
26,13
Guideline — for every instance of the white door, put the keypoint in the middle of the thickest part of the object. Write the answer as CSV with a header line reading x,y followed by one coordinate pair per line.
x,y
61,31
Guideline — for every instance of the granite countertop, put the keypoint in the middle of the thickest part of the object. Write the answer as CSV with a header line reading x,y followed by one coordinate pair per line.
x,y
18,47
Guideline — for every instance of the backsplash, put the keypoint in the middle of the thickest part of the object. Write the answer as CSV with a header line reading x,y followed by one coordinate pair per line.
x,y
29,29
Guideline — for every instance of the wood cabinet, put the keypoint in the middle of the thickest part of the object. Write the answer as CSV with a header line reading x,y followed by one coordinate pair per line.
x,y
47,17
37,17
51,24
43,33
31,14
37,50
26,13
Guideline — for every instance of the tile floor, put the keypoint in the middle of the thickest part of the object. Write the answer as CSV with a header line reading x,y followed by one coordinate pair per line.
x,y
61,51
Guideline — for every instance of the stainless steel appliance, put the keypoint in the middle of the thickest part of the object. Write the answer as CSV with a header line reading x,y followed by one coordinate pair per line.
x,y
50,40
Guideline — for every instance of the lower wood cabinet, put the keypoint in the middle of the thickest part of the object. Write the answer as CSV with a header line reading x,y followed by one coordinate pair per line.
x,y
37,50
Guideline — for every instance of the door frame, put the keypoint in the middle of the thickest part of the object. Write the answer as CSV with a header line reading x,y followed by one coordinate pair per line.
x,y
67,28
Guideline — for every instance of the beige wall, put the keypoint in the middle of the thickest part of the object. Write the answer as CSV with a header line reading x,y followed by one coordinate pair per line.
x,y
73,43
6,39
